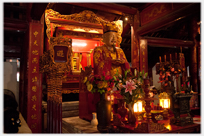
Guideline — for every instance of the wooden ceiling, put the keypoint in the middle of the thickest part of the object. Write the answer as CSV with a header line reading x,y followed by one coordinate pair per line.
x,y
17,16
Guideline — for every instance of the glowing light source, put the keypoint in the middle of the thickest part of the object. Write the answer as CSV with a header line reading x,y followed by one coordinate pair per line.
x,y
165,103
79,30
138,106
151,94
168,127
93,31
82,30
110,97
18,75
79,44
164,100
126,18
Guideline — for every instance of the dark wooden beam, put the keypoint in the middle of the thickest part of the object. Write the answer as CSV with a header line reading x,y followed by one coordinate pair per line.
x,y
108,7
169,18
125,45
164,42
127,36
14,8
11,55
15,24
37,10
125,30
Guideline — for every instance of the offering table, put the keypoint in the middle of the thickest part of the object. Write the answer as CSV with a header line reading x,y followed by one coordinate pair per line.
x,y
78,125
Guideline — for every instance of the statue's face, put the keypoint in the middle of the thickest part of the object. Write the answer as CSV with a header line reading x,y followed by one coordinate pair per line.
x,y
110,39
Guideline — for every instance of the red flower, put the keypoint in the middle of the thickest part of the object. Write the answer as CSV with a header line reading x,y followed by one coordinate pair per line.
x,y
160,78
97,76
160,73
168,73
172,69
104,73
108,77
92,79
97,82
111,84
108,89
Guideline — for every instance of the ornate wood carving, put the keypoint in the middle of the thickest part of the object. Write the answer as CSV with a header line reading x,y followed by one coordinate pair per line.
x,y
85,20
150,127
66,91
154,11
47,61
55,62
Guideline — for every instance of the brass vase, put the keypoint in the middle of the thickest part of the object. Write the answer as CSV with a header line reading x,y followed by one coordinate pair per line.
x,y
103,110
131,115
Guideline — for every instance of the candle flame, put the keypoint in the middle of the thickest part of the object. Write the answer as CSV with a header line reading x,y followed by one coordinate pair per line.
x,y
138,106
165,103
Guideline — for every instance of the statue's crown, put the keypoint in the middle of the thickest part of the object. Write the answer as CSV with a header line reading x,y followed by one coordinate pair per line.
x,y
109,27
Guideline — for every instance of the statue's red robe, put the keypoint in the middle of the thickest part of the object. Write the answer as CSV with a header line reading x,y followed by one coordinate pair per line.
x,y
102,60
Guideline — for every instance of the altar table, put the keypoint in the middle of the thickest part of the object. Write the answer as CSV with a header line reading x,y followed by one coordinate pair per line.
x,y
77,125
193,128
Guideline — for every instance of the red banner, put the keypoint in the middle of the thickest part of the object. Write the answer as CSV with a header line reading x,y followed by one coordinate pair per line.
x,y
34,112
143,55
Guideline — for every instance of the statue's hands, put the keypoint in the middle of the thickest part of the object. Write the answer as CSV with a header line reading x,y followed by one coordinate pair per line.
x,y
117,62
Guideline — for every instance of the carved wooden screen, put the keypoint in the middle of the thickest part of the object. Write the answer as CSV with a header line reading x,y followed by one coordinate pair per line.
x,y
55,62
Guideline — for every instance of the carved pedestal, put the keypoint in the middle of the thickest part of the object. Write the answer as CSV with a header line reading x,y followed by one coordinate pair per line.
x,y
148,126
181,106
55,63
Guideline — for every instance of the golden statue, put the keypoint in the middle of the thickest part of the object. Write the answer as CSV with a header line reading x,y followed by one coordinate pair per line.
x,y
108,58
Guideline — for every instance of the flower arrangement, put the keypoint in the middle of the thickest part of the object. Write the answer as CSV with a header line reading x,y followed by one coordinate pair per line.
x,y
129,85
166,71
99,83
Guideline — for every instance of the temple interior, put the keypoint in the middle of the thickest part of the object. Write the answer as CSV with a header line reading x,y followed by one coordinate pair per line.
x,y
55,53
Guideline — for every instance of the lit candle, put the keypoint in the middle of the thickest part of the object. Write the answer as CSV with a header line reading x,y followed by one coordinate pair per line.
x,y
161,103
160,59
138,106
108,98
164,58
166,104
112,97
135,72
